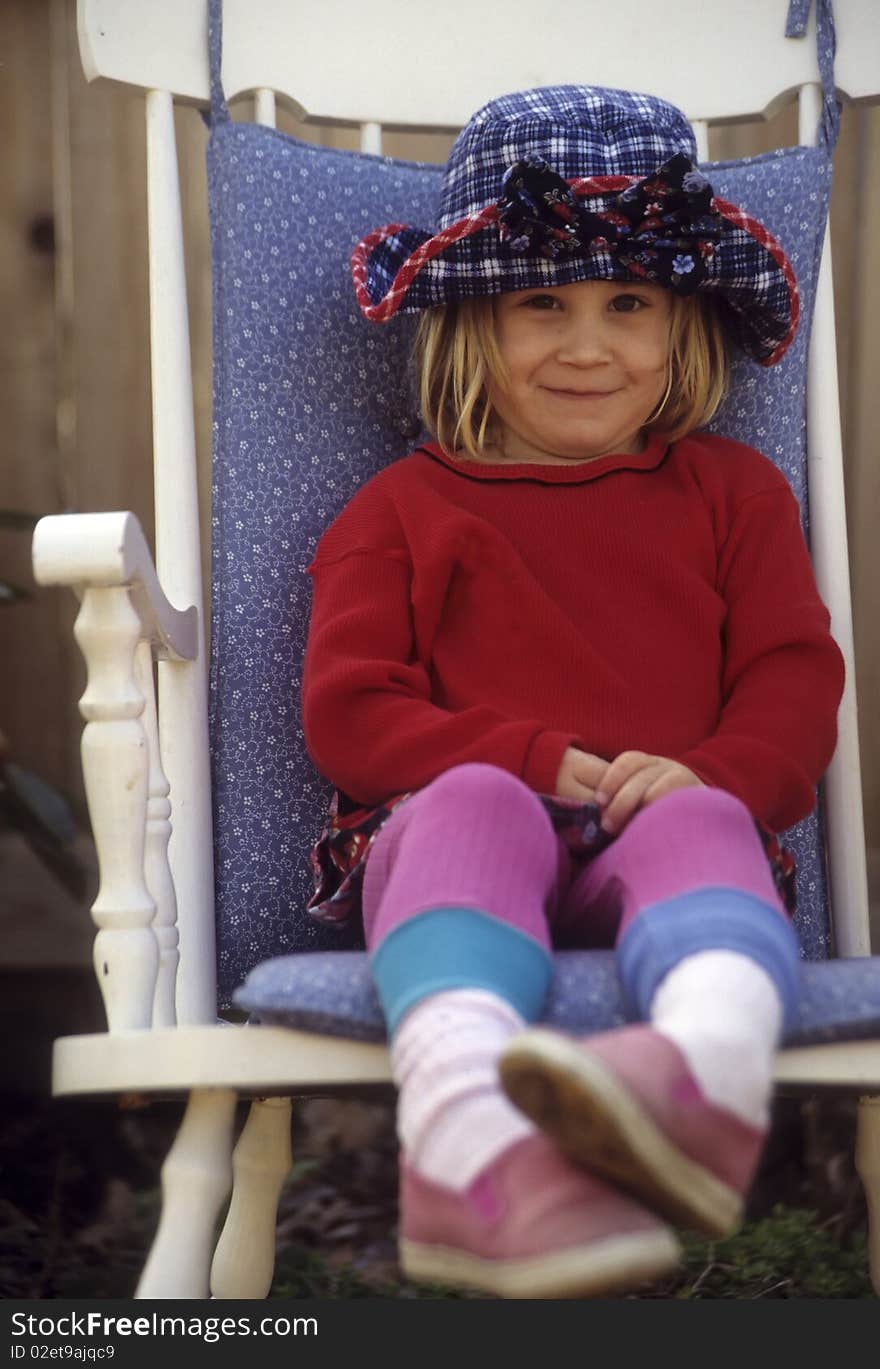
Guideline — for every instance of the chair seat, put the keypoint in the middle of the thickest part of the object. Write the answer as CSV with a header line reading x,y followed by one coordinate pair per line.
x,y
333,993
296,1043
254,1061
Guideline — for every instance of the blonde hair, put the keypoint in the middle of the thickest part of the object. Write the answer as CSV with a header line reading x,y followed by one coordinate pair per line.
x,y
459,362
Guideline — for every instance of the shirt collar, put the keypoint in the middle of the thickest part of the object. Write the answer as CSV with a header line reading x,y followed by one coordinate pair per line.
x,y
578,472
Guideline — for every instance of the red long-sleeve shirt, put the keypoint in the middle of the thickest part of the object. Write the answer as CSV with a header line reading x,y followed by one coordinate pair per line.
x,y
662,602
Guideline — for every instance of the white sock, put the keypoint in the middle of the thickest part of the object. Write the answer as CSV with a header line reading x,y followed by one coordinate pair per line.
x,y
724,1013
452,1117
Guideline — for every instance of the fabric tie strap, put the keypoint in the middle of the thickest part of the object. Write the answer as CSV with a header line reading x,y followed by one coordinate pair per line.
x,y
826,47
663,228
219,111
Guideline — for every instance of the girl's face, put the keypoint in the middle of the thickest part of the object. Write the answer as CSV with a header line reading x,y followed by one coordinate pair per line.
x,y
587,366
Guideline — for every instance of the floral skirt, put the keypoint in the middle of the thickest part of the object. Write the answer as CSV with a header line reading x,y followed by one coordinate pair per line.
x,y
339,855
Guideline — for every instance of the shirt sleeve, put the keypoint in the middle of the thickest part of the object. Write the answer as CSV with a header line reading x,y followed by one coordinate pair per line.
x,y
369,722
783,671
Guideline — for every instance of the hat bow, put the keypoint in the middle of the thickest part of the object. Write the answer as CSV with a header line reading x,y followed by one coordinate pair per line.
x,y
663,228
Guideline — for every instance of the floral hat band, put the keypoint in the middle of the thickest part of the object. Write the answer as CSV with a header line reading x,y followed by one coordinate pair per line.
x,y
663,228
636,216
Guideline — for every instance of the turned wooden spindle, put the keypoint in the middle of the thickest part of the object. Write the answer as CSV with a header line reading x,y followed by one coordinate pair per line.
x,y
195,1180
115,768
157,870
244,1260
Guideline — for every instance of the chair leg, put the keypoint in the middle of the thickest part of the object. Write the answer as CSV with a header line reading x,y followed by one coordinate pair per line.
x,y
244,1260
868,1166
195,1179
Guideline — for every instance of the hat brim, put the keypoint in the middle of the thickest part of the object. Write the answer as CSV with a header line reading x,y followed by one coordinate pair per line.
x,y
402,269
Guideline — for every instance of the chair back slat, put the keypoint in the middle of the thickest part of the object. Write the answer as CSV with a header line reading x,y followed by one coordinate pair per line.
x,y
371,138
264,107
392,62
842,786
183,687
701,134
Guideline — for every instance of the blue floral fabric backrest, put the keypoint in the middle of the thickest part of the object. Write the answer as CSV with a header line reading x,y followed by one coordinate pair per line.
x,y
310,401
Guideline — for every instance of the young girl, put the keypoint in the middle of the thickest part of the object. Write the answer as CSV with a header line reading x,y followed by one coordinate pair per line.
x,y
569,671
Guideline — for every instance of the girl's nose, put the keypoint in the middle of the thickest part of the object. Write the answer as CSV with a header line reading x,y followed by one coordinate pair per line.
x,y
584,341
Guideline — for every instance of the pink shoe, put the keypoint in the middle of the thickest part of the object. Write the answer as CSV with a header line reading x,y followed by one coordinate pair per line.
x,y
531,1225
625,1106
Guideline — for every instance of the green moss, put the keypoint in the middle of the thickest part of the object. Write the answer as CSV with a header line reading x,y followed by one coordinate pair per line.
x,y
302,1273
788,1254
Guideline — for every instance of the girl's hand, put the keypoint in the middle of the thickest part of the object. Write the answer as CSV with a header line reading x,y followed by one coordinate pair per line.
x,y
580,775
633,780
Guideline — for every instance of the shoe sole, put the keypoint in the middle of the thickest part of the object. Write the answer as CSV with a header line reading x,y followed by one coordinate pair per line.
x,y
600,1125
608,1266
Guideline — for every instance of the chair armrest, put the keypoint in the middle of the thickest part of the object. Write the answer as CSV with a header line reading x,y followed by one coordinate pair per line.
x,y
124,619
106,550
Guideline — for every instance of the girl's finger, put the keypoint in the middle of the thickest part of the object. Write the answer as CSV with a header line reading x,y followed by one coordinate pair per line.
x,y
667,781
620,771
628,799
590,770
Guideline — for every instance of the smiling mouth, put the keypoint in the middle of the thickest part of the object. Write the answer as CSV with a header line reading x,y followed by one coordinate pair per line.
x,y
580,394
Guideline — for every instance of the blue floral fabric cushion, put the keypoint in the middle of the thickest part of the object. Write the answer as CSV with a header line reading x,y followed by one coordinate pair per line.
x,y
310,401
334,994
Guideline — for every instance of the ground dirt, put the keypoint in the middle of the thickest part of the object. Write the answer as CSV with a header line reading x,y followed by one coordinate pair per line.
x,y
79,1199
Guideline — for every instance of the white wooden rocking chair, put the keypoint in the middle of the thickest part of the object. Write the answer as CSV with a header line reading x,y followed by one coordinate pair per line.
x,y
148,787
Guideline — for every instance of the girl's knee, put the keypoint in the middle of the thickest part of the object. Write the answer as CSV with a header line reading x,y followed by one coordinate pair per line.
x,y
486,786
481,801
700,802
475,838
700,835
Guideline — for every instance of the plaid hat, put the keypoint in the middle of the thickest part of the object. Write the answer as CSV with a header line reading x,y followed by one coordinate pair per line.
x,y
569,183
